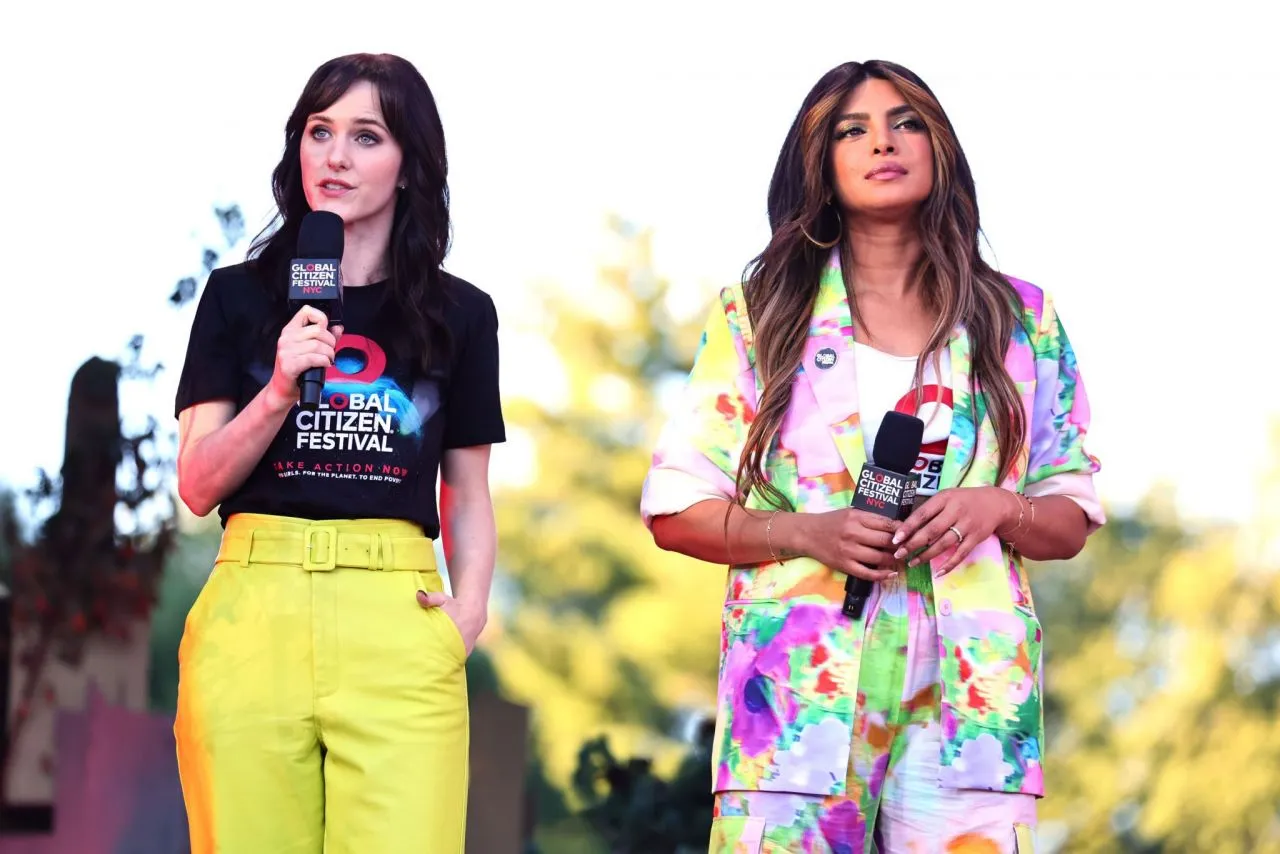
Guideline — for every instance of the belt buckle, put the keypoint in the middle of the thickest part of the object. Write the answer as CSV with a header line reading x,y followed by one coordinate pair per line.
x,y
311,545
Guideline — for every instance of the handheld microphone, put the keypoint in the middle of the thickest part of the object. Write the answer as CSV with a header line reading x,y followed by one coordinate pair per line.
x,y
314,281
887,488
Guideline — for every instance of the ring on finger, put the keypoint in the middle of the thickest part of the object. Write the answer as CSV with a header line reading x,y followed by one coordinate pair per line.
x,y
959,536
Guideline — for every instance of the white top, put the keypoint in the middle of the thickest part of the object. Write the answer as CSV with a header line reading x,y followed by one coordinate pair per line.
x,y
885,384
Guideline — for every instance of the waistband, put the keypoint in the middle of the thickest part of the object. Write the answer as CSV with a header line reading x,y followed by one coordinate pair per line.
x,y
323,545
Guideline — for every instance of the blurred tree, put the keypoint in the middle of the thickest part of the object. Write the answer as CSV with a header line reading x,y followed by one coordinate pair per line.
x,y
91,569
607,635
1162,674
634,810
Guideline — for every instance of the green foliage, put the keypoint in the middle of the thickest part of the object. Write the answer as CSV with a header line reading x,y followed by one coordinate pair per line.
x,y
609,636
634,810
1162,672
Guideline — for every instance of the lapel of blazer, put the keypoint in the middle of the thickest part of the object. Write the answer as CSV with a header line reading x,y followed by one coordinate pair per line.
x,y
968,411
828,364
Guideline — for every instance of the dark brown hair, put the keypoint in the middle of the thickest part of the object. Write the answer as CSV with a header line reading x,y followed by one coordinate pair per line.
x,y
420,229
781,284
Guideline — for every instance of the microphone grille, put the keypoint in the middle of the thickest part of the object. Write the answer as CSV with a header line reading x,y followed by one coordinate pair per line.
x,y
320,235
898,441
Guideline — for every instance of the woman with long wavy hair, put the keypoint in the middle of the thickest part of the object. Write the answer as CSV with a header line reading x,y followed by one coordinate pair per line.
x,y
916,726
322,694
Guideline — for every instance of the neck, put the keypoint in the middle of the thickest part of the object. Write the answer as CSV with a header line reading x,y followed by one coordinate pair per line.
x,y
884,256
364,254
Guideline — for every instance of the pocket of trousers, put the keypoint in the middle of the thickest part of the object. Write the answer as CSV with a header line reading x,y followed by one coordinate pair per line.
x,y
1024,839
451,635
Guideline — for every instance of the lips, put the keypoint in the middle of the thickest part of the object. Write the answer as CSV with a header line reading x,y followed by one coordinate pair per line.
x,y
886,171
335,184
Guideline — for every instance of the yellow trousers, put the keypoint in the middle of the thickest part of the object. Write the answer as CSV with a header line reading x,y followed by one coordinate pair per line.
x,y
320,707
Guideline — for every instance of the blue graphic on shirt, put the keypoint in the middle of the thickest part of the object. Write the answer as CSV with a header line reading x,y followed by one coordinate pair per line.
x,y
387,392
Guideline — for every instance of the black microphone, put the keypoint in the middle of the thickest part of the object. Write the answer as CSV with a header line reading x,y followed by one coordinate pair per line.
x,y
887,488
314,281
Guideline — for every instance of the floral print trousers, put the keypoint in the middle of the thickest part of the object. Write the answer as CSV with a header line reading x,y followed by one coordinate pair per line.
x,y
893,803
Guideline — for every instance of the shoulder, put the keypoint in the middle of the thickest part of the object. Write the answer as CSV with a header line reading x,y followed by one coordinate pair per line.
x,y
235,283
732,304
727,331
1039,318
1038,312
466,302
1034,299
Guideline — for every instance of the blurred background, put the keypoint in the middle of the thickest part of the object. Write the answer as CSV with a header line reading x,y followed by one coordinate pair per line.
x,y
608,169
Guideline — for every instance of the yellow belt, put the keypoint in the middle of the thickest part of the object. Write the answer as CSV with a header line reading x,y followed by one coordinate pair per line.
x,y
322,546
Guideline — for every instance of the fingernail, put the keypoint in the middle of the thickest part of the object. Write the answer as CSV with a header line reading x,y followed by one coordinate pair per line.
x,y
897,537
899,554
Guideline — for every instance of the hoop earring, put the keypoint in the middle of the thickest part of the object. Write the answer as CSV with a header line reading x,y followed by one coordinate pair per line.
x,y
839,232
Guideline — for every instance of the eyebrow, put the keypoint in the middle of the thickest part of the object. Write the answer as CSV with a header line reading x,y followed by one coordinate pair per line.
x,y
360,121
864,117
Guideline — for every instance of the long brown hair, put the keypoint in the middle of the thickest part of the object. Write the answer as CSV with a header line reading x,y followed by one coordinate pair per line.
x,y
781,283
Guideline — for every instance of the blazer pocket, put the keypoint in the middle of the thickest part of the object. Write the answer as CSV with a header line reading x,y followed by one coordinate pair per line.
x,y
783,724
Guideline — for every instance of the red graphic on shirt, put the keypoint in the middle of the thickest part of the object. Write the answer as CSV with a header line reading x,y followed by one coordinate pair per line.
x,y
375,360
933,450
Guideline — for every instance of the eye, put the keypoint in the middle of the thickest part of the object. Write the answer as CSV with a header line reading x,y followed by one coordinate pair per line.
x,y
851,131
910,124
319,132
366,138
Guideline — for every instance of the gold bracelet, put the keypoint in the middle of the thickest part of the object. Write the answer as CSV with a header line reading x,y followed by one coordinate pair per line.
x,y
768,535
1021,512
1030,524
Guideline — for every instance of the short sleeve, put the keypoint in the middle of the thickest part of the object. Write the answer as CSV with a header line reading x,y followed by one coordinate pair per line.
x,y
474,412
1059,463
211,370
698,448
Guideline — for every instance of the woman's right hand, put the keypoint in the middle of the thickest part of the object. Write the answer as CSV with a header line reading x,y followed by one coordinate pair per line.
x,y
854,542
305,342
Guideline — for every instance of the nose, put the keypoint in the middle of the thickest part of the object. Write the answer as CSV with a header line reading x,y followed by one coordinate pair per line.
x,y
337,154
882,141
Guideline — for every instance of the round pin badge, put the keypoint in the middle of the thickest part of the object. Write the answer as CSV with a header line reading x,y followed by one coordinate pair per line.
x,y
825,358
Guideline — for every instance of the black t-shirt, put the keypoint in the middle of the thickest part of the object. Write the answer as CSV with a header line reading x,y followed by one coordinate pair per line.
x,y
373,449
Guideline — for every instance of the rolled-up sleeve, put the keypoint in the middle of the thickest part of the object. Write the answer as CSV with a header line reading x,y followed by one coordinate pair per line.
x,y
1058,462
698,448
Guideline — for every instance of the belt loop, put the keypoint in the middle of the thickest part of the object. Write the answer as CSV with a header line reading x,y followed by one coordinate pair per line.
x,y
388,559
375,556
248,548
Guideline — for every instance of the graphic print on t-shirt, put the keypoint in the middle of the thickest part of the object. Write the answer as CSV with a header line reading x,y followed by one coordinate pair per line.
x,y
935,411
367,427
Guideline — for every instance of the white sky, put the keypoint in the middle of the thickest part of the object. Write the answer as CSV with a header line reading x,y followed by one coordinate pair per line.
x,y
1125,160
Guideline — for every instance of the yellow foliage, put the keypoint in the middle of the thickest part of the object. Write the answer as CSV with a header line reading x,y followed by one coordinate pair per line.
x,y
1163,679
606,634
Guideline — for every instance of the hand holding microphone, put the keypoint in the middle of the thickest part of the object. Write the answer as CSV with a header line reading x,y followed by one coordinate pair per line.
x,y
859,541
306,343
887,488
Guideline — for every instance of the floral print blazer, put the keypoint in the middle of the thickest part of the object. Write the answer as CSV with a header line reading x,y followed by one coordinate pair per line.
x,y
783,628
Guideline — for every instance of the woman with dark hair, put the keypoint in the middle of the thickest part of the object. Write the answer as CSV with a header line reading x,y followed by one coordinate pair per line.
x,y
322,694
918,725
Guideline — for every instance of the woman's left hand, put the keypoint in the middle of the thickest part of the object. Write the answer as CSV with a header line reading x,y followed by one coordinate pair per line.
x,y
470,621
954,520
